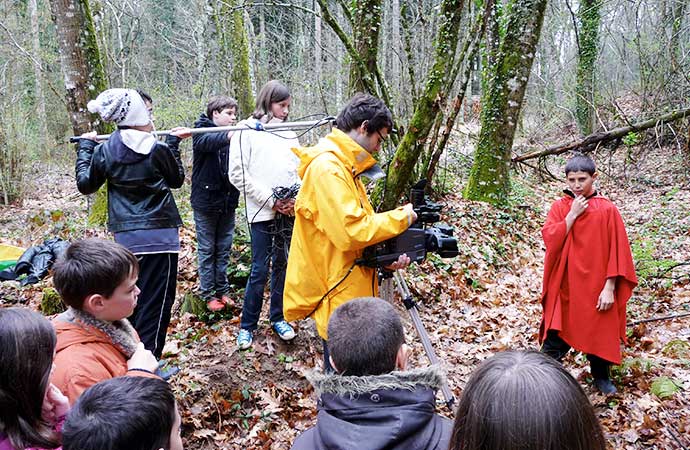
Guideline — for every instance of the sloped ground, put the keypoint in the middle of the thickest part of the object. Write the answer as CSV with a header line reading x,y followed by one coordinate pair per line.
x,y
485,300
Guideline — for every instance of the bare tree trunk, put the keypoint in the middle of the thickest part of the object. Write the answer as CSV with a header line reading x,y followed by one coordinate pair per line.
x,y
505,89
38,79
408,53
395,50
84,76
318,53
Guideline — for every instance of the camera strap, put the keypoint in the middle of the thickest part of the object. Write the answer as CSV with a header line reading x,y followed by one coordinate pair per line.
x,y
332,289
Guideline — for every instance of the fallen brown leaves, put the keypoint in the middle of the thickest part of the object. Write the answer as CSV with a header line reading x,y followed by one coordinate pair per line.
x,y
484,301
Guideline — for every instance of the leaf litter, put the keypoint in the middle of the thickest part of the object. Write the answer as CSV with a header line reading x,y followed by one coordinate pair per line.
x,y
484,301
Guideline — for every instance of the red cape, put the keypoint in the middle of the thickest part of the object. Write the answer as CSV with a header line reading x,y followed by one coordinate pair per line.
x,y
576,267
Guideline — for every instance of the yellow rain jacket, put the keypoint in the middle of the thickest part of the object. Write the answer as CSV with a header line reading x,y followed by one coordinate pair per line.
x,y
334,222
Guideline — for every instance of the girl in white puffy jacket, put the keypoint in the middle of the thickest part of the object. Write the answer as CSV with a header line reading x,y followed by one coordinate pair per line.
x,y
259,162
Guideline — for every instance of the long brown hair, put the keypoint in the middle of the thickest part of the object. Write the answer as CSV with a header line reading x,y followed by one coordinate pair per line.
x,y
272,92
524,400
27,344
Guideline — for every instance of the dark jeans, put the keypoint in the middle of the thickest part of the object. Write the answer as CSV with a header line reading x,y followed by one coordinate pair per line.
x,y
214,232
557,348
269,247
158,283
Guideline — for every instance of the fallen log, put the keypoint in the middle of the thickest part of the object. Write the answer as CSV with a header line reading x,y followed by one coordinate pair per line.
x,y
590,142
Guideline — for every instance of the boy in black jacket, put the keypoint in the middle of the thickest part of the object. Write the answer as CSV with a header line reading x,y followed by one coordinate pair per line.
x,y
214,201
142,214
374,400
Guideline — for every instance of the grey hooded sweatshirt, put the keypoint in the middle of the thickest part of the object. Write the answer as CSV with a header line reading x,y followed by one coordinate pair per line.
x,y
391,411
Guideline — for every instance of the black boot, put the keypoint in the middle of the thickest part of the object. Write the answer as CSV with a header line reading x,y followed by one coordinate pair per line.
x,y
605,386
600,372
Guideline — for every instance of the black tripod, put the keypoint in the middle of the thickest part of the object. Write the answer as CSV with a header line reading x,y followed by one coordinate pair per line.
x,y
411,307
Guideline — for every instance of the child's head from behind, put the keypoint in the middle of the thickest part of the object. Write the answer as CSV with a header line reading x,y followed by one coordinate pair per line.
x,y
580,174
99,277
125,413
524,400
222,110
27,347
274,100
366,337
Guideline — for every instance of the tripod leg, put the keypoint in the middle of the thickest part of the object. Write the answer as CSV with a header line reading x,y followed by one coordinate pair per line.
x,y
386,289
421,331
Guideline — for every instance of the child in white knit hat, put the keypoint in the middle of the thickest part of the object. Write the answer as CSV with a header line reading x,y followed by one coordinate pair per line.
x,y
142,214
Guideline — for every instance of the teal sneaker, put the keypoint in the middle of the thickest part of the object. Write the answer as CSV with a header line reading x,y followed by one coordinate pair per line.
x,y
244,339
284,330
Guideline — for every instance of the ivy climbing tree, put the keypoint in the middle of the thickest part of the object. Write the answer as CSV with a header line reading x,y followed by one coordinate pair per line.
x,y
589,17
505,81
234,53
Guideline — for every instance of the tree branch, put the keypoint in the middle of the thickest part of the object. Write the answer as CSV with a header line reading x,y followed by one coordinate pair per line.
x,y
590,142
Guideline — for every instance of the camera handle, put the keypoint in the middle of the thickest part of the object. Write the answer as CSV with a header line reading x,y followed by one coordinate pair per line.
x,y
411,307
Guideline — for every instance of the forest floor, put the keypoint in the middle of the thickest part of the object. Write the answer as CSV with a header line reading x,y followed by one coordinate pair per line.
x,y
484,301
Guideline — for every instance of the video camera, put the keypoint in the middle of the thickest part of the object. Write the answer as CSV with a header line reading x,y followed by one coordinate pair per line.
x,y
416,241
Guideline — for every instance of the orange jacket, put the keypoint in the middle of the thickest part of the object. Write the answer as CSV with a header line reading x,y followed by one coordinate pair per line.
x,y
88,353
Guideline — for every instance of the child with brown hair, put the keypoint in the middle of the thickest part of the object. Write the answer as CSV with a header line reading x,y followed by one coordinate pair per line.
x,y
524,400
214,200
97,281
31,409
589,275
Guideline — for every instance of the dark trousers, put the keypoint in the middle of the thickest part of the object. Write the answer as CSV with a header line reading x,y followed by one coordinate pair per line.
x,y
557,348
158,283
214,233
269,248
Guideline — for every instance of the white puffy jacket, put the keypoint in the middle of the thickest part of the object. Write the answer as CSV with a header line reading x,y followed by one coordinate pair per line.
x,y
258,162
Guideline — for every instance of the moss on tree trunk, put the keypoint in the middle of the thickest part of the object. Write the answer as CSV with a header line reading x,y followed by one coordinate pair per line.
x,y
82,67
365,32
241,79
505,82
427,106
51,303
589,18
234,53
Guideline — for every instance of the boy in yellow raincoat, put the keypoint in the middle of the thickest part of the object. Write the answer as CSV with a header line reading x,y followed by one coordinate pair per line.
x,y
334,221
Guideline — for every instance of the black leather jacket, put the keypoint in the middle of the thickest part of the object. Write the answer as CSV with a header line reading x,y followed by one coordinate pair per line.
x,y
139,195
212,191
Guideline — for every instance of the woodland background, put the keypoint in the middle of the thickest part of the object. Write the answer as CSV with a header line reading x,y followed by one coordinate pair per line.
x,y
488,97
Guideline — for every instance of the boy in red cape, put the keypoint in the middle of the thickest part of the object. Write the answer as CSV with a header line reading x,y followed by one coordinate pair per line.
x,y
589,275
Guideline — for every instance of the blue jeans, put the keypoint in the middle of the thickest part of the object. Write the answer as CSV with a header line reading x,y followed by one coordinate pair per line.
x,y
268,247
214,233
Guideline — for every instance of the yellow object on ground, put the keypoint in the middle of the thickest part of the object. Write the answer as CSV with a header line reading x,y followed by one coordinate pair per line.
x,y
10,252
